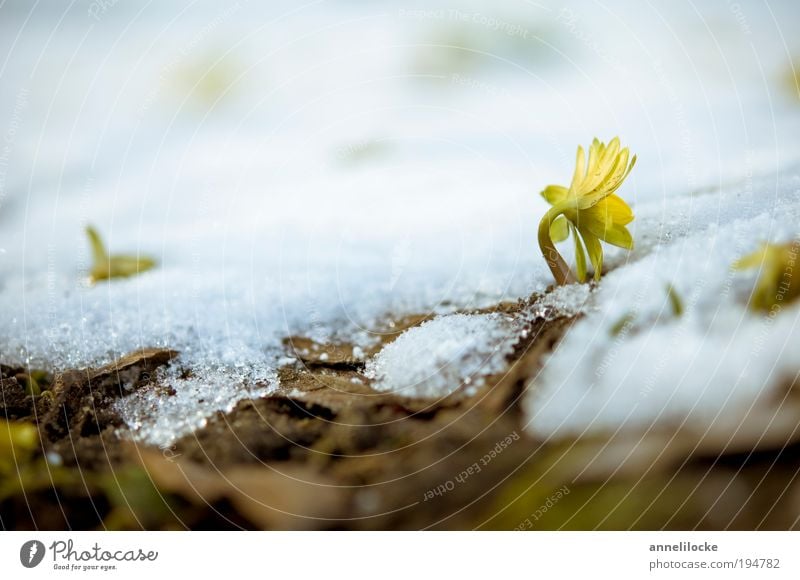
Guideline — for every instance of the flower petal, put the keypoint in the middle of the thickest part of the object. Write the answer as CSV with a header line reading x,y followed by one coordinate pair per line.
x,y
612,210
752,260
592,169
595,251
601,166
619,236
615,234
775,284
591,199
580,256
554,193
617,172
618,181
98,248
627,172
559,229
766,292
611,151
580,170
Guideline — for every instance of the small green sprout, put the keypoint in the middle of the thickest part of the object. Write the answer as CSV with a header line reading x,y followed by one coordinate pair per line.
x,y
32,382
209,80
589,210
114,266
626,321
32,387
675,301
778,283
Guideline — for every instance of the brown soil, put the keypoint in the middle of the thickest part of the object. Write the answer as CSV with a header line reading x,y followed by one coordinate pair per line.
x,y
329,452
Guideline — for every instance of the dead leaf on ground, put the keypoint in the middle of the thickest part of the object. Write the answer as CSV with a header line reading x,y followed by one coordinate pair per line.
x,y
286,498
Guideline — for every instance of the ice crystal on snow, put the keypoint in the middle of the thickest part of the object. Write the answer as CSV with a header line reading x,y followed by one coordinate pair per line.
x,y
439,356
179,405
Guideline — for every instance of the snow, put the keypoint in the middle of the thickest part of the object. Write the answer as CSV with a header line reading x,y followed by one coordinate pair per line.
x,y
160,418
569,300
342,167
717,360
440,356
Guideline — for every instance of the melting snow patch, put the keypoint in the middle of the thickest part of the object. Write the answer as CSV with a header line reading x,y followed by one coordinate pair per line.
x,y
633,362
179,405
434,359
568,300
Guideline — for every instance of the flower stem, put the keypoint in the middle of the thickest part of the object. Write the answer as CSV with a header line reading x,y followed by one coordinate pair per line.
x,y
555,262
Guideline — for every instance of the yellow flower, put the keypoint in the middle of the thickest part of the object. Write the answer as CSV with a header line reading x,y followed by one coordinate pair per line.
x,y
589,210
779,283
114,266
